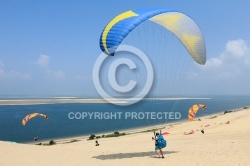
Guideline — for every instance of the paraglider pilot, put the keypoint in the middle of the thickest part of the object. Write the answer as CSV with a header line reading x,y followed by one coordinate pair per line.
x,y
96,143
202,130
36,138
157,147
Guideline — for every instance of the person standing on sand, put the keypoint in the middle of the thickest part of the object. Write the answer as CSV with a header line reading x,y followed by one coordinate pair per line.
x,y
36,138
96,142
202,130
160,153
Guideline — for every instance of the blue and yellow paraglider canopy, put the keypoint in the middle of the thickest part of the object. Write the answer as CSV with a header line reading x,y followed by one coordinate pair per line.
x,y
182,26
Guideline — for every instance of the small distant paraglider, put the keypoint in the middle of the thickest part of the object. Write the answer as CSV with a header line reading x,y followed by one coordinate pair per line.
x,y
33,115
30,116
193,110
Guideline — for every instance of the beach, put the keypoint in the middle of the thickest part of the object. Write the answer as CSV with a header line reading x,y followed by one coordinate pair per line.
x,y
222,143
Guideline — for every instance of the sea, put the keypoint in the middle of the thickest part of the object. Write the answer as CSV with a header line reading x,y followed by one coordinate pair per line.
x,y
83,119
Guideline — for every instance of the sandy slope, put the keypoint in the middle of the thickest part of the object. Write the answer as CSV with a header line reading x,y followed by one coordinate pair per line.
x,y
222,144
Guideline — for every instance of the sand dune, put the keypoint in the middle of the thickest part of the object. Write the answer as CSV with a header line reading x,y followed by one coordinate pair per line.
x,y
222,144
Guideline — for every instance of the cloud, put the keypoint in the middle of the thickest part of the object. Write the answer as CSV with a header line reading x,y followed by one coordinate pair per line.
x,y
226,73
12,74
16,74
237,48
233,61
57,74
44,63
213,62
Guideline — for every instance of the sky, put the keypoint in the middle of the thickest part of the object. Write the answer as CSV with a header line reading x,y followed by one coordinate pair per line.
x,y
49,48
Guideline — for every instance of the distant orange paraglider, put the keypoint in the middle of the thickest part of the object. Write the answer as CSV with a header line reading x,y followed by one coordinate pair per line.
x,y
193,110
30,116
